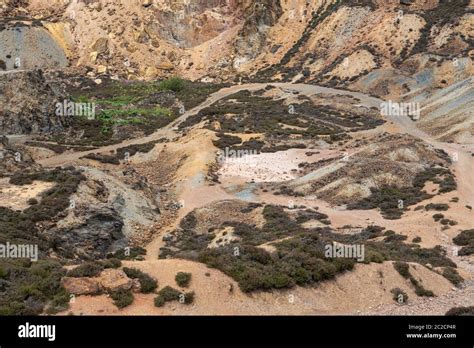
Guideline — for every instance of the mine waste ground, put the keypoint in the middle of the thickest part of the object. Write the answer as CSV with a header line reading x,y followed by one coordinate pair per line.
x,y
189,198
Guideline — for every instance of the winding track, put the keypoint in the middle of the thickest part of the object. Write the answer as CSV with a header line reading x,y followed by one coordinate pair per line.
x,y
170,130
463,167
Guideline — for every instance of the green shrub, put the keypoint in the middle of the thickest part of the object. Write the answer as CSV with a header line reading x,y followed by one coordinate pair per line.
x,y
403,268
421,291
373,256
128,254
167,294
399,295
416,240
32,201
159,301
88,269
465,251
456,311
59,303
31,287
437,206
189,297
3,272
183,279
466,237
437,217
111,263
226,140
174,84
452,275
147,283
122,298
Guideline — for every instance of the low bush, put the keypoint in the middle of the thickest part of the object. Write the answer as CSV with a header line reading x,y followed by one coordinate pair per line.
x,y
122,298
437,206
111,263
183,279
421,291
466,240
453,276
189,297
399,295
166,294
438,217
147,283
403,268
88,269
299,255
128,254
457,311
174,84
31,287
387,198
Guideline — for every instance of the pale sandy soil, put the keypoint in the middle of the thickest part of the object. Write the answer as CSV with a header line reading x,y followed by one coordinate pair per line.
x,y
367,286
358,291
16,197
270,167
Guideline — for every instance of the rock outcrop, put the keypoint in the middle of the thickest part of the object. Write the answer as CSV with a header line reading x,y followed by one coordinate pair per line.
x,y
27,104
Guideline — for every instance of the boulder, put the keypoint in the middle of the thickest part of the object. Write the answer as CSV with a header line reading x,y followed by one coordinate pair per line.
x,y
165,66
101,46
114,280
81,286
101,69
136,286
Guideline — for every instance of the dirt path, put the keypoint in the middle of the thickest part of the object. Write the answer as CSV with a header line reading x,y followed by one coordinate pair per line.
x,y
412,224
170,130
463,168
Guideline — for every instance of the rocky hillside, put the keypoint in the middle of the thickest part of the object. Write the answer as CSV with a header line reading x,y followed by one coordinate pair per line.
x,y
28,104
385,47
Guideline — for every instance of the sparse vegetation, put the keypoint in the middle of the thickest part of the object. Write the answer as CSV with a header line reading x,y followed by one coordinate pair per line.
x,y
147,283
123,153
111,263
166,294
122,298
88,269
258,114
299,258
31,288
399,295
457,311
174,84
183,279
132,253
466,240
404,270
453,276
388,198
